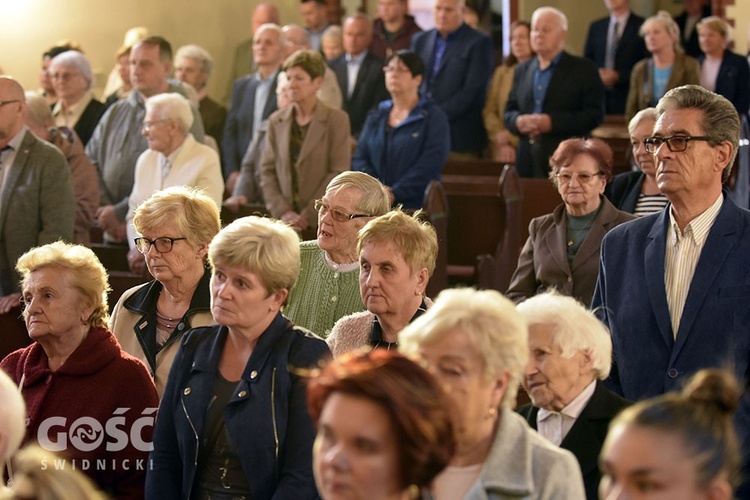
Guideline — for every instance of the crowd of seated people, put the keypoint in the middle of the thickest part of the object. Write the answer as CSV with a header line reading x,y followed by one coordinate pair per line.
x,y
229,326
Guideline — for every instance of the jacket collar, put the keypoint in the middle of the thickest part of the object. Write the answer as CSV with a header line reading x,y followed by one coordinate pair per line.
x,y
143,301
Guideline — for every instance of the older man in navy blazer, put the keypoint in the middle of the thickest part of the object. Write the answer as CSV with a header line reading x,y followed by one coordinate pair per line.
x,y
674,287
458,62
37,204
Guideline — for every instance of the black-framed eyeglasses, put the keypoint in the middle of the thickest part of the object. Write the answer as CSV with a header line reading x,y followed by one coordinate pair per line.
x,y
675,143
583,177
3,103
163,244
336,214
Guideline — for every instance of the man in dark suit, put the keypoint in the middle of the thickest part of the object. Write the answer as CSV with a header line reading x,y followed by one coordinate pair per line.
x,y
614,45
253,99
37,204
569,353
554,96
674,286
695,10
459,62
359,72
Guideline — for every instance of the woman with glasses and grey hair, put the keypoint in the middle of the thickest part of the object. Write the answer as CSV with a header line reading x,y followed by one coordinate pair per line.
x,y
562,251
176,225
328,284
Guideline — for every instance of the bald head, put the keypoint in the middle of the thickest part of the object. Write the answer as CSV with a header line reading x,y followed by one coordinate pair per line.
x,y
264,13
296,38
12,106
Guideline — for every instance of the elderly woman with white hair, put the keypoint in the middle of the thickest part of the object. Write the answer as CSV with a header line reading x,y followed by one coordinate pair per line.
x,y
570,353
173,158
476,342
76,107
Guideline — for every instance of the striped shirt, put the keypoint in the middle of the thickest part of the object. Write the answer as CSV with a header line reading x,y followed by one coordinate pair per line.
x,y
682,253
649,204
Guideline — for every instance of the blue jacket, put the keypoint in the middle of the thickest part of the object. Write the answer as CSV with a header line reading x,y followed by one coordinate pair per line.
x,y
733,80
267,418
714,330
415,154
460,84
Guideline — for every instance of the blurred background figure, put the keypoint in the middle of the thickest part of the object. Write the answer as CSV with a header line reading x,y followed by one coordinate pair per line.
x,y
38,117
392,29
562,250
476,343
76,106
723,71
397,254
570,354
315,18
667,67
405,141
391,405
12,425
683,442
194,65
118,82
328,285
332,42
46,88
75,369
637,192
234,420
176,226
35,476
502,142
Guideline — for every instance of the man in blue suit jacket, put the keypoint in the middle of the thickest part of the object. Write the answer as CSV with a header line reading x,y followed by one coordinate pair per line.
x,y
629,49
674,286
555,96
459,64
268,52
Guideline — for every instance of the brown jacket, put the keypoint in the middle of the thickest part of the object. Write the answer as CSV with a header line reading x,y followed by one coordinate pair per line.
x,y
685,70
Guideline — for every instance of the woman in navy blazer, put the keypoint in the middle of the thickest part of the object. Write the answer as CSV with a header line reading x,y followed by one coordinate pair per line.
x,y
405,141
233,421
723,71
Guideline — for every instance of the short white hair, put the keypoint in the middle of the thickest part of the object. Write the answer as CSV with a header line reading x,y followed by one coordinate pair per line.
x,y
38,111
495,329
172,106
576,329
196,53
12,417
272,27
77,61
551,10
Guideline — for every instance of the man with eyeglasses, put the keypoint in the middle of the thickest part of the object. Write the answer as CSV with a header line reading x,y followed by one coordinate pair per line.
x,y
37,204
674,287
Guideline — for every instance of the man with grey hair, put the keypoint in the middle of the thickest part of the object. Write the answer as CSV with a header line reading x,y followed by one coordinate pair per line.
x,y
359,71
38,117
674,286
555,95
173,158
76,107
194,65
570,353
37,204
297,39
458,62
253,99
263,13
117,141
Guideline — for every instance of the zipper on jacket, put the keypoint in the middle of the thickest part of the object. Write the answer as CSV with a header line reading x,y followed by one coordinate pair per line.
x,y
197,447
273,417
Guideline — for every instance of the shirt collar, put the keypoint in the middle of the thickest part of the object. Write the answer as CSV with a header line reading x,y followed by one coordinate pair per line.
x,y
574,408
74,110
356,59
699,227
622,20
270,78
15,143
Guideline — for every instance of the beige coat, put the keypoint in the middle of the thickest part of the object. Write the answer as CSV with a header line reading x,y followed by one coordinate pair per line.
x,y
685,70
494,108
325,153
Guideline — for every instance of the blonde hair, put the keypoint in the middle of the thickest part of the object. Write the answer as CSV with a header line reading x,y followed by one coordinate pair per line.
x,y
190,210
266,247
665,19
374,199
87,274
497,332
416,240
52,483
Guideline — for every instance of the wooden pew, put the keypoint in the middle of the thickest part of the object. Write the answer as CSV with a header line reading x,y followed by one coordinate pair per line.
x,y
436,208
614,131
112,257
120,282
227,216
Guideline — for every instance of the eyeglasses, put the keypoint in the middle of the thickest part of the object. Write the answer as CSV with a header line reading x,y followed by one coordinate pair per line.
x,y
64,76
395,69
336,215
147,125
583,178
3,103
163,244
675,143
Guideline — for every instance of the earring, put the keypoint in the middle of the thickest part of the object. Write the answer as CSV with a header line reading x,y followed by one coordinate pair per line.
x,y
493,412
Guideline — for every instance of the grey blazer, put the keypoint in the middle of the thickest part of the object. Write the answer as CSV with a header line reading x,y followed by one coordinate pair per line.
x,y
37,205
